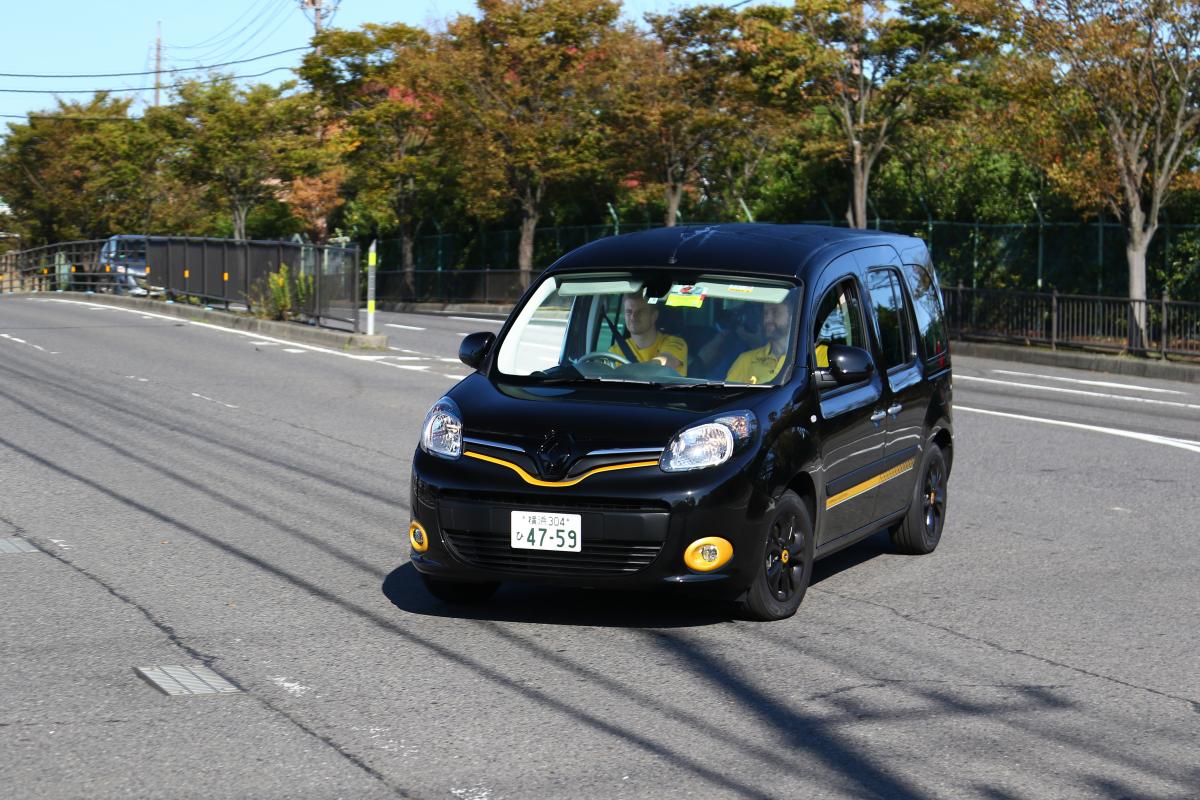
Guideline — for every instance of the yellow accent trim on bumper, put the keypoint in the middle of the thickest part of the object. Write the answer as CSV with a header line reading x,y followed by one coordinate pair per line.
x,y
532,481
868,485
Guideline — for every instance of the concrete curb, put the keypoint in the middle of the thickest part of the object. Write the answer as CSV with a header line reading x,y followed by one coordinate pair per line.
x,y
293,331
1095,362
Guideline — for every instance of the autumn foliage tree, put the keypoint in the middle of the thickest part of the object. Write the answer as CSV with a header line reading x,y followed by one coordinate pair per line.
x,y
522,94
1125,83
871,65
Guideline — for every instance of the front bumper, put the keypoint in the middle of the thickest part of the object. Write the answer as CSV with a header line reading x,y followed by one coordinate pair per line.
x,y
636,525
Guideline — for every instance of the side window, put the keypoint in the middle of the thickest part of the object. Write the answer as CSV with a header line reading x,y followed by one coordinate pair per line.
x,y
928,305
887,298
838,321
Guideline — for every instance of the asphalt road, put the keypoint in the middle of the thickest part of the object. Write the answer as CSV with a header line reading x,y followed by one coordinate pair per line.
x,y
199,496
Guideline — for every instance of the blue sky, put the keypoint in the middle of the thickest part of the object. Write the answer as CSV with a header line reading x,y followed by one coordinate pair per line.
x,y
76,37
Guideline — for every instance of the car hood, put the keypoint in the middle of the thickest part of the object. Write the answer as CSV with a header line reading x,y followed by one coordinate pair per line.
x,y
580,420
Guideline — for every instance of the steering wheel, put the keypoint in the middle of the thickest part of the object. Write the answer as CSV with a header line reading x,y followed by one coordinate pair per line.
x,y
610,360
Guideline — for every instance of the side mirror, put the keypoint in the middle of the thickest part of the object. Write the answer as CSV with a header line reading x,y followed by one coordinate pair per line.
x,y
474,348
850,364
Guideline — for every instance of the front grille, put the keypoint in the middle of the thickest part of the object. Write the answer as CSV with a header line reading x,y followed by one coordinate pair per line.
x,y
492,551
528,502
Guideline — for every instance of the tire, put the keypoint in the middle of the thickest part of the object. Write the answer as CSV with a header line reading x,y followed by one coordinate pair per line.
x,y
458,592
920,531
782,580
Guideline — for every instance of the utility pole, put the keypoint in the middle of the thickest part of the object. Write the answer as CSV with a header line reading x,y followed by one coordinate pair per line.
x,y
157,63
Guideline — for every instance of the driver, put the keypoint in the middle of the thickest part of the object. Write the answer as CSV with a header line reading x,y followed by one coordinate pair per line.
x,y
646,341
762,364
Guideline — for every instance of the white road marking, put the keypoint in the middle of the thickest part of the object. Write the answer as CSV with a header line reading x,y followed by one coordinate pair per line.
x,y
62,543
294,688
476,319
1079,392
292,350
265,344
1109,384
403,327
460,333
453,377
1182,444
212,400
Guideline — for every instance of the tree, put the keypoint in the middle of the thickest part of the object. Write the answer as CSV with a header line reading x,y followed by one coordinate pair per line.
x,y
373,83
682,101
1125,83
240,144
519,101
871,65
82,170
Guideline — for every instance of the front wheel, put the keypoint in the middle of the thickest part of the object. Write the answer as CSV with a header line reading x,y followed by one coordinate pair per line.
x,y
458,592
787,563
921,530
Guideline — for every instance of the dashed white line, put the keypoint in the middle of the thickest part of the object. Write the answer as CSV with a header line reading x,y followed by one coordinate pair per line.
x,y
292,350
212,400
453,377
403,327
1182,444
1080,392
1108,384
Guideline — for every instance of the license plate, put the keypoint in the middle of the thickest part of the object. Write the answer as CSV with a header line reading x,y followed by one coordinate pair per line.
x,y
538,530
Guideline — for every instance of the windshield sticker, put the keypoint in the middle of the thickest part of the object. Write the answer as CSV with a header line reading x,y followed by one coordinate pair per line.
x,y
686,296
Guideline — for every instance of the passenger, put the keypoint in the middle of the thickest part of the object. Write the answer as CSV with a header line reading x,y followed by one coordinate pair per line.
x,y
738,330
646,341
762,364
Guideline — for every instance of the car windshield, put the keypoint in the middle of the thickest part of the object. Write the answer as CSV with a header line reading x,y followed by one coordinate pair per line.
x,y
130,249
665,329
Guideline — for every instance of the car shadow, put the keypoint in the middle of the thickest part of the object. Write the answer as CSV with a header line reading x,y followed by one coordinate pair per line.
x,y
516,602
872,547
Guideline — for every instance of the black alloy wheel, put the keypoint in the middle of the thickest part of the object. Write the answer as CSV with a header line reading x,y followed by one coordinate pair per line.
x,y
787,562
921,529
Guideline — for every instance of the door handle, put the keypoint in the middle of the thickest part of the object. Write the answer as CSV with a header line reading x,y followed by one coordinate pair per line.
x,y
878,416
894,409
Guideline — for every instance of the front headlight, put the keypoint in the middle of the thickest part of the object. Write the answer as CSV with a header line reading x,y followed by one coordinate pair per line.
x,y
441,434
709,443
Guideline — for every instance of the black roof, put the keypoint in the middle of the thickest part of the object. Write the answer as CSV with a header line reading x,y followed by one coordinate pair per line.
x,y
792,250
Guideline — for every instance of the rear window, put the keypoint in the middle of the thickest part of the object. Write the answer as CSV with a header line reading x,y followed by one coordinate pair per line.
x,y
928,304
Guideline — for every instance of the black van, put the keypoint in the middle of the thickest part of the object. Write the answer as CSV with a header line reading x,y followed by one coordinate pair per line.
x,y
715,405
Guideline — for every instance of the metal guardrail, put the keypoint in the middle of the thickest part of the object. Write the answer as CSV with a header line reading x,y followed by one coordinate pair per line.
x,y
323,280
1172,327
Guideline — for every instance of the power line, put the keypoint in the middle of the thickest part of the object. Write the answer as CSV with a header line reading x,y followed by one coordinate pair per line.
x,y
248,42
63,117
209,41
139,88
151,72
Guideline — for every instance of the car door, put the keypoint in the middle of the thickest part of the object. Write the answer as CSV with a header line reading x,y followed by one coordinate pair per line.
x,y
906,390
852,426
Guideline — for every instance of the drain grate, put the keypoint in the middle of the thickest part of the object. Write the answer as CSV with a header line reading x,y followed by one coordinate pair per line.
x,y
15,544
180,680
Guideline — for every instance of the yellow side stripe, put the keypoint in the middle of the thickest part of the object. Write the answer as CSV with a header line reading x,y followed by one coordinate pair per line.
x,y
532,481
868,485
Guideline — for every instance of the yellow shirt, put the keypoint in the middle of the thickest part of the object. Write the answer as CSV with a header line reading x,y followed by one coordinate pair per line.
x,y
759,365
670,345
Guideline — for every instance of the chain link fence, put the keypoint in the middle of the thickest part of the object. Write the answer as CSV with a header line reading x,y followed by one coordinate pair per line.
x,y
1074,258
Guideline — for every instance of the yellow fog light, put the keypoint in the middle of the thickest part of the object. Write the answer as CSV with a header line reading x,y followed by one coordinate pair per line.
x,y
417,537
707,554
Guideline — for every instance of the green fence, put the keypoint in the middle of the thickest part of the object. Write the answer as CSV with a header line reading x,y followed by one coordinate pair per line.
x,y
1077,258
